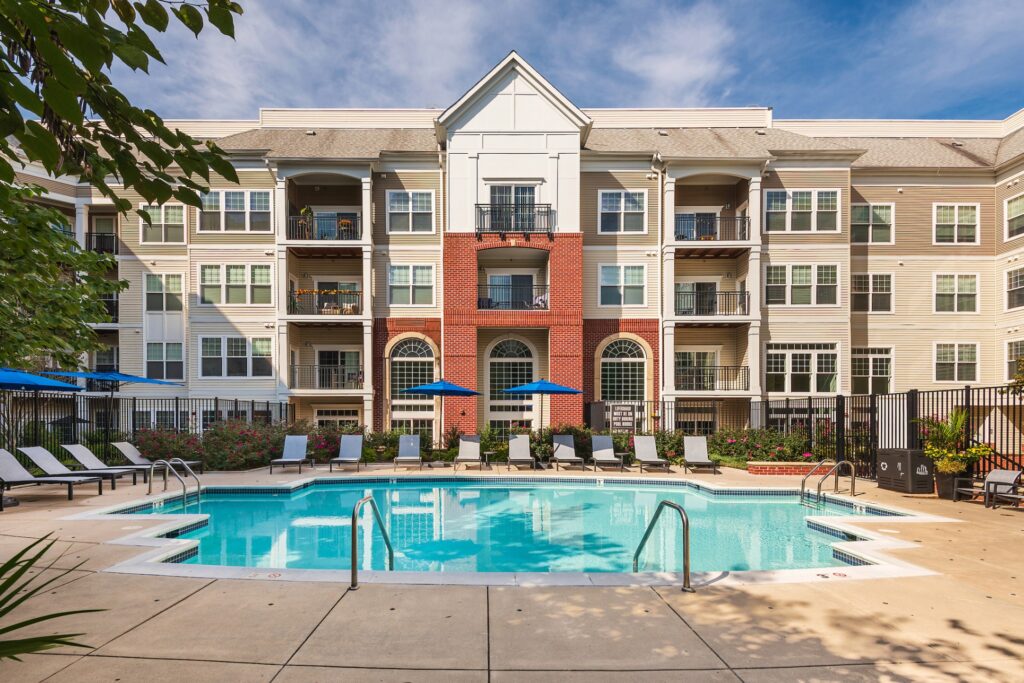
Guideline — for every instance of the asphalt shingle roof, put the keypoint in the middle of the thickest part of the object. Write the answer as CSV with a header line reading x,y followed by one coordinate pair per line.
x,y
707,143
330,143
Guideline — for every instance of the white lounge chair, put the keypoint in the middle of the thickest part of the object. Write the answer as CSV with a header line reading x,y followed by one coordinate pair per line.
x,y
409,451
695,454
89,461
12,473
350,452
565,451
604,453
48,463
519,451
132,455
469,451
647,453
294,453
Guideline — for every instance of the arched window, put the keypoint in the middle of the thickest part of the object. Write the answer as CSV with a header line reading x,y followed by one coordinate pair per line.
x,y
412,364
623,371
510,363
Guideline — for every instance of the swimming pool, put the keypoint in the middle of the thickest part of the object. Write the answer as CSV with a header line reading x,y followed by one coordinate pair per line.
x,y
466,525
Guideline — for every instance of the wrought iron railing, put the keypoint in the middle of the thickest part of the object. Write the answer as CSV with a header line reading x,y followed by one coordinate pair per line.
x,y
713,378
325,227
113,307
325,302
502,218
512,297
691,228
712,303
102,242
326,377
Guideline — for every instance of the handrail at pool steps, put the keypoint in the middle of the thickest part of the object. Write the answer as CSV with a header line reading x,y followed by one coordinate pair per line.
x,y
355,545
167,466
835,470
803,482
199,486
647,534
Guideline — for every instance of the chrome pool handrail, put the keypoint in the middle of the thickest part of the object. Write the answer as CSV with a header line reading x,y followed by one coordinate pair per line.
x,y
199,486
686,540
355,540
835,470
167,466
803,482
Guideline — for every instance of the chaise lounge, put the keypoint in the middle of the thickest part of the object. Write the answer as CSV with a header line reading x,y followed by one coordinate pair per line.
x,y
695,454
350,452
997,484
294,453
604,453
87,459
12,473
565,451
647,453
48,463
132,455
409,451
519,451
469,451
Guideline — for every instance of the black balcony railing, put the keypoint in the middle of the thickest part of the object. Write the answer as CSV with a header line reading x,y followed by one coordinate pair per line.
x,y
327,227
325,302
713,378
512,297
113,308
699,228
502,218
326,377
712,303
102,242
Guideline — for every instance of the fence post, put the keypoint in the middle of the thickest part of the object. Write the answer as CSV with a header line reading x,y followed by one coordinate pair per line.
x,y
913,440
132,422
968,436
177,415
36,429
873,433
810,425
840,427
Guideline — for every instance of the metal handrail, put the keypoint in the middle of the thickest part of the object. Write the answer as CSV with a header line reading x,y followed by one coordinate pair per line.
x,y
355,543
803,482
686,540
167,466
199,486
838,466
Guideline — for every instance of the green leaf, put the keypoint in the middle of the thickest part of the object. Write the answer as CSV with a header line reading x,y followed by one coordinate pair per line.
x,y
154,14
190,17
223,167
220,17
82,43
187,196
41,142
62,101
124,10
132,56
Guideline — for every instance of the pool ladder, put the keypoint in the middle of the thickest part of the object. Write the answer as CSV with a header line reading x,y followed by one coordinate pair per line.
x,y
168,465
355,538
685,539
803,482
836,471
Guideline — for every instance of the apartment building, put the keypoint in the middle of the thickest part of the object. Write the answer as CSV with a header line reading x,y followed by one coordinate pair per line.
x,y
700,258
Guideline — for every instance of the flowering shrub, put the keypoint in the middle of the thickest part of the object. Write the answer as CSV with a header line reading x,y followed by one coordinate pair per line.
x,y
237,445
759,445
164,444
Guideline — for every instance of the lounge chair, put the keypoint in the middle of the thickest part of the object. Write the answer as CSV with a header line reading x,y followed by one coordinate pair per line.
x,y
519,451
12,473
469,451
48,463
647,453
294,453
132,455
604,453
998,483
695,454
89,461
409,451
350,452
565,451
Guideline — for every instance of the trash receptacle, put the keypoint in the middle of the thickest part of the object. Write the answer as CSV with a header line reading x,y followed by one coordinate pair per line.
x,y
905,469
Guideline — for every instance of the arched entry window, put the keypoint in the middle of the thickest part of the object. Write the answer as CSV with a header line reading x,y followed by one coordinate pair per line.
x,y
623,371
509,364
412,364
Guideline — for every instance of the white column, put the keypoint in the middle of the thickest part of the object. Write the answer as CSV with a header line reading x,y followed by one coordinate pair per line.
x,y
367,282
368,385
284,370
282,282
366,219
466,221
754,281
668,359
668,283
754,209
81,225
754,356
669,208
281,209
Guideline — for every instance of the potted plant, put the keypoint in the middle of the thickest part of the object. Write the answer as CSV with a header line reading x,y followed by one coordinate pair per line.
x,y
944,444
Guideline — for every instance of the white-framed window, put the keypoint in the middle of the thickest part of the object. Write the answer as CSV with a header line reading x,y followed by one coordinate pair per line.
x,y
163,292
164,360
167,224
1014,354
871,370
872,223
801,210
871,293
1014,288
235,211
802,285
235,357
1013,217
510,363
955,224
623,371
956,362
410,211
411,285
513,208
956,293
235,284
411,365
622,211
801,368
622,285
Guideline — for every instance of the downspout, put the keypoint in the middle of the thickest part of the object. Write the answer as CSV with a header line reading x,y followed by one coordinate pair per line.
x,y
658,167
440,231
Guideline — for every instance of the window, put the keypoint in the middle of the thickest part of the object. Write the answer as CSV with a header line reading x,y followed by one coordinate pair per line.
x,y
801,210
412,364
1014,354
1015,288
622,211
235,211
871,223
163,292
164,360
956,362
513,208
1014,212
871,369
801,285
623,372
956,293
235,357
235,284
410,211
623,285
167,224
802,368
956,224
872,292
411,285
510,364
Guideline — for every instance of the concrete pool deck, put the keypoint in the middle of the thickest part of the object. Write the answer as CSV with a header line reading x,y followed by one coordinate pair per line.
x,y
965,622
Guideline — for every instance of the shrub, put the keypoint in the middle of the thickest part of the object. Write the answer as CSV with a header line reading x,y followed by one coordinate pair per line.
x,y
164,444
759,445
237,445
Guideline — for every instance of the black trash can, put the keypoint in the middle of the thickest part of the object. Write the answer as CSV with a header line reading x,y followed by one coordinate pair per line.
x,y
905,469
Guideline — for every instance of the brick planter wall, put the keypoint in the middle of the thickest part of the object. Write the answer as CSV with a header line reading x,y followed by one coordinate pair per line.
x,y
794,468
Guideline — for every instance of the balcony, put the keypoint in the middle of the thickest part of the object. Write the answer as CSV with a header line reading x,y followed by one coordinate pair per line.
x,y
710,228
713,378
101,242
712,304
325,227
521,218
326,377
113,308
512,298
325,302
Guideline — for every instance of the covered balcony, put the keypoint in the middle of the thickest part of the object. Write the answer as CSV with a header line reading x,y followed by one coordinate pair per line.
x,y
711,360
710,291
325,289
324,209
711,304
325,359
712,378
512,279
712,214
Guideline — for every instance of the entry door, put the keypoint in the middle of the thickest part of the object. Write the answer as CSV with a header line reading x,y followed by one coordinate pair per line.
x,y
696,298
698,226
337,369
696,370
510,291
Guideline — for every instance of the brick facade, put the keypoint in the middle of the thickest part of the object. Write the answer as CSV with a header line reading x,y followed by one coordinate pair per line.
x,y
780,468
384,330
597,331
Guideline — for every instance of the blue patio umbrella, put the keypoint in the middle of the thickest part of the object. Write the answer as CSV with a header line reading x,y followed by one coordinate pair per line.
x,y
18,379
542,387
441,388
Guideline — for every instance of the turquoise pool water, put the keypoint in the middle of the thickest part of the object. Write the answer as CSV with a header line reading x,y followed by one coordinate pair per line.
x,y
475,526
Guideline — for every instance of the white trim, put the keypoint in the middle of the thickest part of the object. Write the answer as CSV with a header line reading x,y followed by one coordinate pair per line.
x,y
1006,357
1006,289
957,206
892,363
247,210
813,284
222,278
956,380
224,356
622,213
184,225
956,292
410,231
892,222
410,266
622,284
789,368
871,291
789,210
532,415
1006,218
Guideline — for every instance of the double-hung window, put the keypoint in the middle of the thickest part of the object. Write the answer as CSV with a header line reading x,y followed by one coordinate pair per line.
x,y
235,284
622,285
235,211
163,292
871,370
871,224
801,210
802,368
622,210
410,211
956,293
1015,288
167,224
956,224
411,285
872,292
956,362
1014,212
1014,355
235,357
164,360
802,285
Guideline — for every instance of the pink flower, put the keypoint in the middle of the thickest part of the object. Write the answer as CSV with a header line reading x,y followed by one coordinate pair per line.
x,y
731,441
808,455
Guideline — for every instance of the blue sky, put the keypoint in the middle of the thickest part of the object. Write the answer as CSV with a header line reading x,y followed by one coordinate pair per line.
x,y
918,59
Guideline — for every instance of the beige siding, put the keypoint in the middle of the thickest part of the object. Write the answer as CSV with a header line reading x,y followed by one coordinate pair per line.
x,y
1007,189
593,259
229,313
130,230
305,339
728,272
306,271
591,183
731,198
230,387
731,342
824,179
48,184
381,309
248,180
406,180
305,407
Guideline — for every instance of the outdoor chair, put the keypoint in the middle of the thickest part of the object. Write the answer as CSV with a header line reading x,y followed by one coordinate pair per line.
x,y
48,463
469,451
695,454
409,451
997,483
519,451
604,453
12,473
565,451
89,461
647,453
294,453
350,452
132,455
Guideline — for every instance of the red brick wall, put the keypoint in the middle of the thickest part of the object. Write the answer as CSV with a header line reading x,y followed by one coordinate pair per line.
x,y
795,468
384,330
596,331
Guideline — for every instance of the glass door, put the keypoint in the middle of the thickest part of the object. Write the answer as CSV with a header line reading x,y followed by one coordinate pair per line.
x,y
696,370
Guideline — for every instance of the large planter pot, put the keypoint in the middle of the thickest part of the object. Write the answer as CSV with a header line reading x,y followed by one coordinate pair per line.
x,y
945,484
